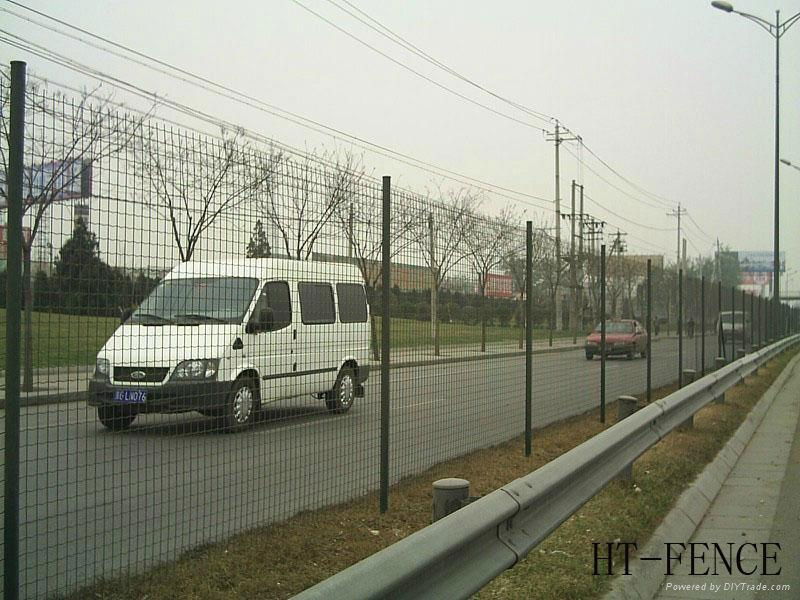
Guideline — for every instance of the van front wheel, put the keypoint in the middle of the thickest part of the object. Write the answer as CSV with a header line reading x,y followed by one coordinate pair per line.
x,y
242,405
340,398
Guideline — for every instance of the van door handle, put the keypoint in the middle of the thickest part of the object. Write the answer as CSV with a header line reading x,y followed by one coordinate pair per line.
x,y
294,334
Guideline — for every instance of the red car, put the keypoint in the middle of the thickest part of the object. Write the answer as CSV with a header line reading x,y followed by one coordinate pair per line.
x,y
623,336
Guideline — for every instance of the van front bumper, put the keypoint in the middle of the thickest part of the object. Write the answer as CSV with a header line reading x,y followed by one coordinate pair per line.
x,y
167,398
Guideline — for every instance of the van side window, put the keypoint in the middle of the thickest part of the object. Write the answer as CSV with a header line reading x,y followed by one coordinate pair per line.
x,y
352,302
275,295
316,303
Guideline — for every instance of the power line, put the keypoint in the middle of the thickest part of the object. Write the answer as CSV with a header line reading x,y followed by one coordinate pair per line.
x,y
663,201
625,218
619,189
461,178
699,229
229,93
395,38
415,72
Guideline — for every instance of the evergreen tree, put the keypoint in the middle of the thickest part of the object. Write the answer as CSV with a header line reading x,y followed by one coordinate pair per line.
x,y
258,246
83,284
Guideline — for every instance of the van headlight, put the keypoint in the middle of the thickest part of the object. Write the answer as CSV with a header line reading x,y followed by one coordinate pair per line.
x,y
196,370
102,367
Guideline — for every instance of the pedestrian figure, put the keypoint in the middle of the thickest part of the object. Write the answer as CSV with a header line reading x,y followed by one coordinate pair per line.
x,y
690,327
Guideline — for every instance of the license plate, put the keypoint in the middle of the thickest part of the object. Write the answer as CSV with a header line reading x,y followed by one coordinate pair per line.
x,y
130,396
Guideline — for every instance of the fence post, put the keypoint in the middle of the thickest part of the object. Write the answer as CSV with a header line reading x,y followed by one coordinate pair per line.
x,y
688,377
603,333
13,322
680,327
733,323
649,330
752,322
528,337
744,324
386,331
720,337
626,406
719,362
703,325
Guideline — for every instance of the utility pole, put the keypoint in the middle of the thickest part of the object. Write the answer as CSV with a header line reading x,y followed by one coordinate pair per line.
x,y
573,275
684,253
575,260
677,213
593,234
558,138
581,260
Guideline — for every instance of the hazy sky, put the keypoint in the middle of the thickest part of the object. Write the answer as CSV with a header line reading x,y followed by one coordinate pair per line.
x,y
676,96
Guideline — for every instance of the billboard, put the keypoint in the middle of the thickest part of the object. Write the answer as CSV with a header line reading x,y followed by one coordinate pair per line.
x,y
57,180
759,261
499,286
760,278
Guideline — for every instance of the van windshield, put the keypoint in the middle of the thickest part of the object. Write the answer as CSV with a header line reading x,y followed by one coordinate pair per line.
x,y
197,300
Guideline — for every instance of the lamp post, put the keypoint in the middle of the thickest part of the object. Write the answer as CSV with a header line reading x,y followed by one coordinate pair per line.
x,y
776,30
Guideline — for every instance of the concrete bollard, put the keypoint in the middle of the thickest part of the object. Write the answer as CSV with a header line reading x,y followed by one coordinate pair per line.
x,y
448,496
688,377
626,406
719,362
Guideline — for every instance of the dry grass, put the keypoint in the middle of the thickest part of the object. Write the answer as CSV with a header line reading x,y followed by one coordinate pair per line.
x,y
283,559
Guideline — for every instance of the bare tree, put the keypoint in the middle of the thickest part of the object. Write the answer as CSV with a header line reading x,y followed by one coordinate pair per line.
x,y
551,268
361,218
514,263
66,140
441,239
196,180
311,193
488,244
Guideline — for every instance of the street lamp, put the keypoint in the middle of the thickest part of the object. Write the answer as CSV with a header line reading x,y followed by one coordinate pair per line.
x,y
776,30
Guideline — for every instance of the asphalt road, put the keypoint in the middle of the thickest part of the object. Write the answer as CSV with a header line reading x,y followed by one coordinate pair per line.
x,y
94,503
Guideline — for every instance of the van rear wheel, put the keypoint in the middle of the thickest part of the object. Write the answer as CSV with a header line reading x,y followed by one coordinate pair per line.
x,y
116,418
340,398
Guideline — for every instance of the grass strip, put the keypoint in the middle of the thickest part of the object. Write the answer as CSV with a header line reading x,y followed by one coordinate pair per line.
x,y
281,560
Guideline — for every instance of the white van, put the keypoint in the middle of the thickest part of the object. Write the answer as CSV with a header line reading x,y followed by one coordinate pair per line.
x,y
226,338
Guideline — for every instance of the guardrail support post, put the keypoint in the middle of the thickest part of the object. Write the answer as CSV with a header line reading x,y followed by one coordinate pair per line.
x,y
688,377
626,406
448,496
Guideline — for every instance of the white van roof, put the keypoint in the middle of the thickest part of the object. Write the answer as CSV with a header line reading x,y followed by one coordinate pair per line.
x,y
269,268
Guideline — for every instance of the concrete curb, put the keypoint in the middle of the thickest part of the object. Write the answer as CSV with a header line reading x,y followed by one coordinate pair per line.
x,y
682,521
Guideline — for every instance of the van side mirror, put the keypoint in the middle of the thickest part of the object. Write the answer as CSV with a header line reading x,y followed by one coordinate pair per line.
x,y
124,315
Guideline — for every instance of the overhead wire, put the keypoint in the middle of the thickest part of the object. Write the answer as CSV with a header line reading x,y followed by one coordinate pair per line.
x,y
631,221
395,38
699,229
192,78
619,189
518,196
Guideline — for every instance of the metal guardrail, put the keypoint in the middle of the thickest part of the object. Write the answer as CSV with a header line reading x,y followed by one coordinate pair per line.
x,y
458,555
